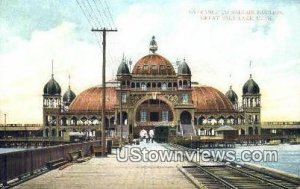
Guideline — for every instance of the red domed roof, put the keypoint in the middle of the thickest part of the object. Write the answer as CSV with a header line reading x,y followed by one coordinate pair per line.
x,y
153,64
209,100
90,100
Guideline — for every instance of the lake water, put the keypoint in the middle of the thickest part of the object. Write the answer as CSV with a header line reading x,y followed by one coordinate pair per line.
x,y
5,150
288,156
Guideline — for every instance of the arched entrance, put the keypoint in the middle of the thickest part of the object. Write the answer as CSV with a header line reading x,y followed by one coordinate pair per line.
x,y
152,113
241,132
250,131
185,117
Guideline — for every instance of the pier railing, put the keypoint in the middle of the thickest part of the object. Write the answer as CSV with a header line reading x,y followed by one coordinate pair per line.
x,y
17,164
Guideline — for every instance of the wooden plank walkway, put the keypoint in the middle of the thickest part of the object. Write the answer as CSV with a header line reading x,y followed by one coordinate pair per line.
x,y
109,173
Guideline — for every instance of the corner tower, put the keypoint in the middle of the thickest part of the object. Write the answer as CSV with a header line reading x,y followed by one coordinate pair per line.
x,y
252,106
51,106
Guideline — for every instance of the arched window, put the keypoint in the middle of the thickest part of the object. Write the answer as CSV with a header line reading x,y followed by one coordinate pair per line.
x,y
144,87
164,86
250,130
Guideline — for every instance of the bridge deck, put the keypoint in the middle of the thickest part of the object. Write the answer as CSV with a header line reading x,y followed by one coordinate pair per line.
x,y
109,173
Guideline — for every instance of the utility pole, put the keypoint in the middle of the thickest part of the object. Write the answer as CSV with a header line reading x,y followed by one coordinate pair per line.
x,y
103,30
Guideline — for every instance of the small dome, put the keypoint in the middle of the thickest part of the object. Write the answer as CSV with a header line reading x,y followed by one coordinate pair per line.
x,y
52,87
250,87
231,95
153,64
184,69
123,68
68,97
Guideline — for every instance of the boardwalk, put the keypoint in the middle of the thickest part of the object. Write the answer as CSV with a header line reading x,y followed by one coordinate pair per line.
x,y
109,173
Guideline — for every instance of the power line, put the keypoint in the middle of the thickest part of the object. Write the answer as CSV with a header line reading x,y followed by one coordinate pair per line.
x,y
98,11
110,14
95,22
93,12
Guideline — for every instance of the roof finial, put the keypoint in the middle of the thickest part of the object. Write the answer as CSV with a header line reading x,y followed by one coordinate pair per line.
x,y
123,59
69,81
230,81
52,69
250,66
153,45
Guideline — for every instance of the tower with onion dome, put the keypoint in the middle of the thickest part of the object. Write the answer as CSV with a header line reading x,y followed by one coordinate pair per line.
x,y
51,106
151,95
252,106
68,96
232,96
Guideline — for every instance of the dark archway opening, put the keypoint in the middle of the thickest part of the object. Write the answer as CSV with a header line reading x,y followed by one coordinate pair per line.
x,y
185,117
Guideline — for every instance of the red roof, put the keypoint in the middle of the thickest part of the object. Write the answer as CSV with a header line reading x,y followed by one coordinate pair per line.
x,y
209,99
205,99
153,64
91,100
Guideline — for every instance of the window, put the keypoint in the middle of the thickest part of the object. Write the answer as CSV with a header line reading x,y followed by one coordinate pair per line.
x,y
164,86
162,69
169,70
145,68
154,67
143,116
124,97
144,87
165,116
185,98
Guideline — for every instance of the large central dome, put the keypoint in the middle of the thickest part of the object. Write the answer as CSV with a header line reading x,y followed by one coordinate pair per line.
x,y
153,64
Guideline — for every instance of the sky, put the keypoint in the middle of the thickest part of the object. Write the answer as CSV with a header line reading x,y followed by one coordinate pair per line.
x,y
217,39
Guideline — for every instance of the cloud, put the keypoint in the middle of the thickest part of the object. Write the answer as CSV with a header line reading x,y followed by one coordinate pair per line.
x,y
27,68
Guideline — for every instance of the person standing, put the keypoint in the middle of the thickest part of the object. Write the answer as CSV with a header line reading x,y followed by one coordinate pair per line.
x,y
151,134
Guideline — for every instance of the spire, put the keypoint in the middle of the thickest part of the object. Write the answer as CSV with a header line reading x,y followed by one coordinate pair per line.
x,y
69,81
123,58
250,69
230,81
153,45
52,69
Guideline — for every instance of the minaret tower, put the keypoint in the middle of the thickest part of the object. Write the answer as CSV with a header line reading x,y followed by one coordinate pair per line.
x,y
252,105
68,97
51,106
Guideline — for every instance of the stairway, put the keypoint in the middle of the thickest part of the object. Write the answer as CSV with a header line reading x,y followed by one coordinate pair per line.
x,y
187,130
